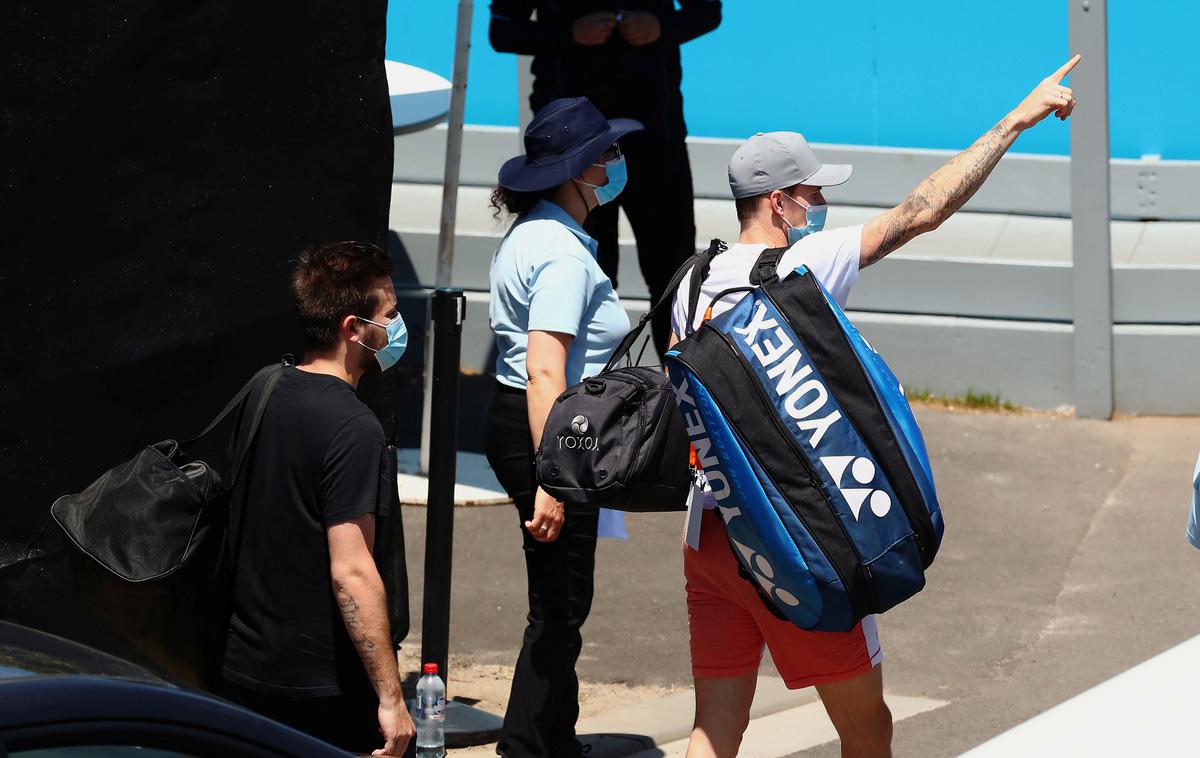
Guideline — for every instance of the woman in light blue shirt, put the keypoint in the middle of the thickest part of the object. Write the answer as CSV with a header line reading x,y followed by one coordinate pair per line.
x,y
557,321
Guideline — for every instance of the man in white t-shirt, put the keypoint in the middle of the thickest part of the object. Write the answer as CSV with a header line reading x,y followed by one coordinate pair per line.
x,y
776,181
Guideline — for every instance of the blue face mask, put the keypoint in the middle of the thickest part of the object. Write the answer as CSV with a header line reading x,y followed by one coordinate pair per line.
x,y
814,216
617,177
397,334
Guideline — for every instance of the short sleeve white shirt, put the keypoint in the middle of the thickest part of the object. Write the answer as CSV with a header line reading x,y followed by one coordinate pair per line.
x,y
831,255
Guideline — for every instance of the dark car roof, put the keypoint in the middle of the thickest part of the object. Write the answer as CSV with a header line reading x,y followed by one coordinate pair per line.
x,y
26,652
57,702
47,682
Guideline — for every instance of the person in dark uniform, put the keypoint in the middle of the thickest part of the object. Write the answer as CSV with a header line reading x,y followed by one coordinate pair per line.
x,y
624,57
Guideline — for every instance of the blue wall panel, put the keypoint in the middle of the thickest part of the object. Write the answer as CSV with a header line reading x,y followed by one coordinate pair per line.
x,y
1154,72
933,74
422,34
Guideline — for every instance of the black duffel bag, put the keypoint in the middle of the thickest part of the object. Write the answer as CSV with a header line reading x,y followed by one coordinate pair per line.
x,y
146,545
145,518
616,439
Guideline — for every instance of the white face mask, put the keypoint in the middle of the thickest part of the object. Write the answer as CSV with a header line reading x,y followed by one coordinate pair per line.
x,y
814,220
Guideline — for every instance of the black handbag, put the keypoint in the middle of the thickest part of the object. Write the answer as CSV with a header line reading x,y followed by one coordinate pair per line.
x,y
616,439
146,518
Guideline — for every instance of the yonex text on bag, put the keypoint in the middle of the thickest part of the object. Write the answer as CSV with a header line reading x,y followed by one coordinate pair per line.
x,y
812,454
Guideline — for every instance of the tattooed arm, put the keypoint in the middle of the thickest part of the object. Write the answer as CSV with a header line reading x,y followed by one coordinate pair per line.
x,y
947,189
361,598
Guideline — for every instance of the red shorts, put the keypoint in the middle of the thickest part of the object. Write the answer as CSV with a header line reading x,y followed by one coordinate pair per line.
x,y
729,625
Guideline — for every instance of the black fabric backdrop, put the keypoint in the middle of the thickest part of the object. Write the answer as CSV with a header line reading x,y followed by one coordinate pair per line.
x,y
164,161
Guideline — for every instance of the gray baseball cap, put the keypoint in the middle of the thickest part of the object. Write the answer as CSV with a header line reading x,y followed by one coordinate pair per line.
x,y
776,160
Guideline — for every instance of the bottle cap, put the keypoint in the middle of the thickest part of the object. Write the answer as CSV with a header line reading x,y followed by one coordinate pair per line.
x,y
430,668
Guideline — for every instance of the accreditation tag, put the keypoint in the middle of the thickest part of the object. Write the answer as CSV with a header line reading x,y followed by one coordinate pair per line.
x,y
695,511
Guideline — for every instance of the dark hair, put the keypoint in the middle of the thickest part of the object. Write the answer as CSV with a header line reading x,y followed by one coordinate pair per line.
x,y
515,203
746,207
334,281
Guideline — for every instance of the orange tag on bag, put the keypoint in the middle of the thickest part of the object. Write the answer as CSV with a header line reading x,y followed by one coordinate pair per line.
x,y
693,459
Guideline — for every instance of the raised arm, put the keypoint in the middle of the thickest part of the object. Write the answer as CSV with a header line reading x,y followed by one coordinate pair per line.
x,y
947,189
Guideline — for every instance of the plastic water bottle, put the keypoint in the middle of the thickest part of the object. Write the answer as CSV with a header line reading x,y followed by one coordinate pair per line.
x,y
431,714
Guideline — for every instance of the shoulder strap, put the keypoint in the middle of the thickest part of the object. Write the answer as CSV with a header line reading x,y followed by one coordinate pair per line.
x,y
699,274
631,337
764,268
240,396
240,458
259,410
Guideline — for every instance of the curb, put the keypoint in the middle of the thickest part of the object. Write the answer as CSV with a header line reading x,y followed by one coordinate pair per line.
x,y
642,726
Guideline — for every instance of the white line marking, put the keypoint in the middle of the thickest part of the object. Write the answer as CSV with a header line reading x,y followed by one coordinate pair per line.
x,y
1148,710
795,729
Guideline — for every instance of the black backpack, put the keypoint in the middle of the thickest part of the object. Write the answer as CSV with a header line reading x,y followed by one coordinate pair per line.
x,y
616,439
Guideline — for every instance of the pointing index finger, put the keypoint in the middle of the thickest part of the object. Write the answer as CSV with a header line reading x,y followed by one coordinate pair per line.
x,y
1066,68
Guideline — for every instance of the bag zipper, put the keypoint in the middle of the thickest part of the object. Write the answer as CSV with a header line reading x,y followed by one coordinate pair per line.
x,y
639,387
812,474
922,523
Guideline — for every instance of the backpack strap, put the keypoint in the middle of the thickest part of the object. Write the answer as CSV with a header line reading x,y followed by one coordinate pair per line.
x,y
699,274
763,272
631,337
764,268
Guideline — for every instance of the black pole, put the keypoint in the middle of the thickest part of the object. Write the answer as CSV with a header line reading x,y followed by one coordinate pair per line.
x,y
447,310
465,726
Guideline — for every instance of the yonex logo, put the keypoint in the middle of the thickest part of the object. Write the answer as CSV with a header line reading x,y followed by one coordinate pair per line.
x,y
764,573
862,471
579,425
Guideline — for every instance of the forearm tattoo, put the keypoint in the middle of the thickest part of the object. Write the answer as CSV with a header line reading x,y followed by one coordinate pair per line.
x,y
363,642
945,191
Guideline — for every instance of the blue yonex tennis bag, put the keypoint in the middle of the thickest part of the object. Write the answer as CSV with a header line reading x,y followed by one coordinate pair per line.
x,y
812,453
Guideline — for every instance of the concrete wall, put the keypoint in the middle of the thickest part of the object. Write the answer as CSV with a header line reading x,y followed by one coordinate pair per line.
x,y
946,324
1029,363
1037,185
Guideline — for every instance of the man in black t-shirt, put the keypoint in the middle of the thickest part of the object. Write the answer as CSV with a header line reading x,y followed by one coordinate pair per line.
x,y
308,642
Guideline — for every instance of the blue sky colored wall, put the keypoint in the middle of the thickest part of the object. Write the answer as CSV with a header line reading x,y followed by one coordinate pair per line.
x,y
934,74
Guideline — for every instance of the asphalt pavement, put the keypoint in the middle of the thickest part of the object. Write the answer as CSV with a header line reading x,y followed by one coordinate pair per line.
x,y
1064,563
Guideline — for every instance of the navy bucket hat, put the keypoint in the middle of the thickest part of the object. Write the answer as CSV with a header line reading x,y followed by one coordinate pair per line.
x,y
564,138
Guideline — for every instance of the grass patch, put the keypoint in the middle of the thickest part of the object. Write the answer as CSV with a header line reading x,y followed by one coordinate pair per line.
x,y
972,400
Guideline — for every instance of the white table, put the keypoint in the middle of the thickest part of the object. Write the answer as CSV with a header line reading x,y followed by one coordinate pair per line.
x,y
420,99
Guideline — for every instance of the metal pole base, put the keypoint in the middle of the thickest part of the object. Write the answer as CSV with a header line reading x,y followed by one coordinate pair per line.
x,y
467,726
